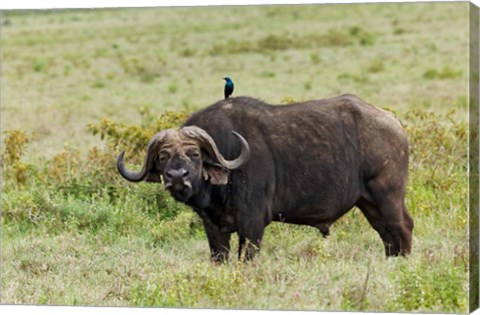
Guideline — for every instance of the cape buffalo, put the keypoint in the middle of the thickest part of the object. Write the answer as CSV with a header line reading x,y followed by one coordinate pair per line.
x,y
241,164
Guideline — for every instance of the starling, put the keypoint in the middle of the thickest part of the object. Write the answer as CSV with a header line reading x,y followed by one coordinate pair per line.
x,y
228,87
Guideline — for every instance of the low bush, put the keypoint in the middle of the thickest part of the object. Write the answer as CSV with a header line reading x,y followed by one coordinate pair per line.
x,y
84,191
273,42
443,74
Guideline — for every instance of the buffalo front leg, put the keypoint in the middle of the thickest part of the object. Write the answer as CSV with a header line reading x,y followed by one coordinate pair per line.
x,y
218,241
250,236
219,245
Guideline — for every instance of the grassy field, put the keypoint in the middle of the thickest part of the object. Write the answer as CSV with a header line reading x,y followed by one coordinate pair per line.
x,y
79,86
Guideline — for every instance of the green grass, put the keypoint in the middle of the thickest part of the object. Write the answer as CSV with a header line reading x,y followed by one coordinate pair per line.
x,y
80,86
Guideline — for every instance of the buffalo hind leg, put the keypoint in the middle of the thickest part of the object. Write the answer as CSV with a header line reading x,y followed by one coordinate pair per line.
x,y
388,215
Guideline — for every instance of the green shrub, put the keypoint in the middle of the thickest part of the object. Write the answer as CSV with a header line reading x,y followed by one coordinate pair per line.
x,y
80,191
376,66
289,100
39,65
438,177
187,52
331,38
445,73
437,143
182,226
14,169
363,37
315,58
233,47
145,69
275,42
134,139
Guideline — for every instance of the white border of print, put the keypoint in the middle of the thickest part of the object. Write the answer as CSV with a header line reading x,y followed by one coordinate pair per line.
x,y
62,4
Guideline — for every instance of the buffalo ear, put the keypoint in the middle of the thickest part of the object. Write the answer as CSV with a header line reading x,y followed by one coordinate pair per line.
x,y
215,173
153,175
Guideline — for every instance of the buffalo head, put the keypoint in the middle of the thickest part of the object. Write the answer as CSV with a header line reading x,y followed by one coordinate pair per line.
x,y
184,158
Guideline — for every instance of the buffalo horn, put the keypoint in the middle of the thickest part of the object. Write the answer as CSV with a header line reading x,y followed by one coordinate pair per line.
x,y
127,174
198,133
147,165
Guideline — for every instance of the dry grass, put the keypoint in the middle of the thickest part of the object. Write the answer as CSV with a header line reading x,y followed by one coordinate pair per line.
x,y
64,70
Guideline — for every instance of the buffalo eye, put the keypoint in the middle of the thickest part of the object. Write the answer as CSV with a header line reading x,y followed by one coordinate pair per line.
x,y
163,156
194,154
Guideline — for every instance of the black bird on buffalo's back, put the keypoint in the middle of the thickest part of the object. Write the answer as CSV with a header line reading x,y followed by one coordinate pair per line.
x,y
228,87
